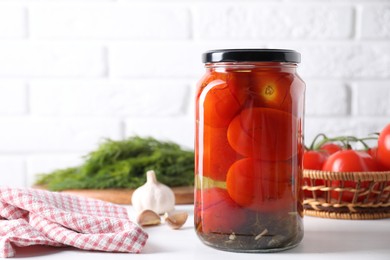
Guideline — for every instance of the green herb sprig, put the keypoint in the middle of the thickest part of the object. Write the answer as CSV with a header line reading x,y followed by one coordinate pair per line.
x,y
122,164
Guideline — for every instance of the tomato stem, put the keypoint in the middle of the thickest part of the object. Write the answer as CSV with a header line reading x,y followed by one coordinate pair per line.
x,y
344,140
315,140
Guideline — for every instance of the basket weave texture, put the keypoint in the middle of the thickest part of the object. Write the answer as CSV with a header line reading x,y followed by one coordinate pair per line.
x,y
346,195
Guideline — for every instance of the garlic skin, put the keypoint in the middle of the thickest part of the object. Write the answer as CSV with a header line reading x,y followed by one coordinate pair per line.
x,y
153,195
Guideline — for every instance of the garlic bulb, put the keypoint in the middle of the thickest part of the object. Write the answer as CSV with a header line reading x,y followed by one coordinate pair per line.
x,y
153,195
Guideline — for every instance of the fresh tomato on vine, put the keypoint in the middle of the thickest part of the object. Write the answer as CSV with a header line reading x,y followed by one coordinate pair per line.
x,y
383,152
350,161
331,148
373,151
314,160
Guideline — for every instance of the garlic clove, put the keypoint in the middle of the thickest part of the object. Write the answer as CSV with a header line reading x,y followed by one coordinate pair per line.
x,y
148,218
176,220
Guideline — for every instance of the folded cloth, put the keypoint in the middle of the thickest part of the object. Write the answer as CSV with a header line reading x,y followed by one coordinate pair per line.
x,y
37,217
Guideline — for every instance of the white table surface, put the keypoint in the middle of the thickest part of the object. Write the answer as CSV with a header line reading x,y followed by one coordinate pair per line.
x,y
324,239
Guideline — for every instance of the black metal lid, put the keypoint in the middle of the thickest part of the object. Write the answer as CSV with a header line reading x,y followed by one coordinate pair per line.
x,y
251,55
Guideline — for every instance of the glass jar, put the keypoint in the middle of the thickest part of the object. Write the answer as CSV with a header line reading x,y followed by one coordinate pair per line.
x,y
248,150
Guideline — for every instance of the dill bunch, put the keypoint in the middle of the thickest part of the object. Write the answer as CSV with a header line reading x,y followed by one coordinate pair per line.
x,y
122,164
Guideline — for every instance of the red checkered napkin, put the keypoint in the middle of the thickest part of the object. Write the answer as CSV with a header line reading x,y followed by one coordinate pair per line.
x,y
36,217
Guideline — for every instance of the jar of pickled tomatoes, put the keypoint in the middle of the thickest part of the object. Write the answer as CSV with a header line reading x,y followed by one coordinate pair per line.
x,y
248,150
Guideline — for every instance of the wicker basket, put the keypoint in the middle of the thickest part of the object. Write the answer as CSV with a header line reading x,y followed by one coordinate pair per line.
x,y
346,195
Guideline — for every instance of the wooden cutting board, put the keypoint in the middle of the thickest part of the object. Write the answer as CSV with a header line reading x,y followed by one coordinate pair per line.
x,y
183,195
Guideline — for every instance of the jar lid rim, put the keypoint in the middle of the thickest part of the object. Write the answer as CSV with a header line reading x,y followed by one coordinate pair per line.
x,y
251,55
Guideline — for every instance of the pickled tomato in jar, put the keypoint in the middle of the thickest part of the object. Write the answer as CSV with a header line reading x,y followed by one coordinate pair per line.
x,y
248,150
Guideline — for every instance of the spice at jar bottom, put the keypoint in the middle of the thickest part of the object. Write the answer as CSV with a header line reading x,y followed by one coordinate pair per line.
x,y
248,150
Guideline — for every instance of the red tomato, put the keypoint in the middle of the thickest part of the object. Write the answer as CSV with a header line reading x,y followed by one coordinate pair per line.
x,y
239,84
219,104
261,185
264,133
217,213
223,96
373,151
384,147
208,77
330,148
382,156
308,194
314,160
271,89
218,155
350,161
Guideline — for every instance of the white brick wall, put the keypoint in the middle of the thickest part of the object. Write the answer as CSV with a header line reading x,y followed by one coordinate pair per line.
x,y
12,171
327,98
155,60
376,22
43,163
75,72
287,22
107,98
13,22
110,21
54,134
20,59
13,98
177,129
373,98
